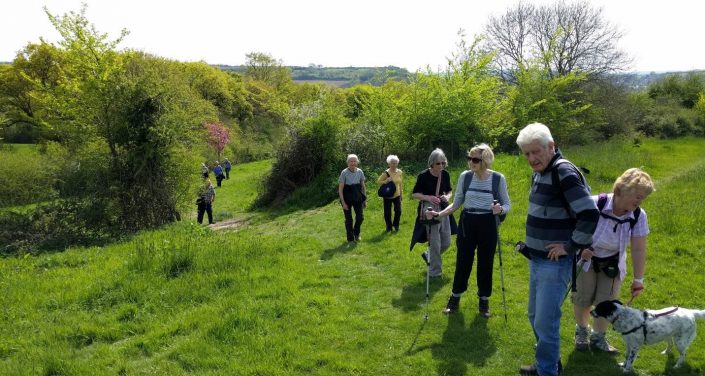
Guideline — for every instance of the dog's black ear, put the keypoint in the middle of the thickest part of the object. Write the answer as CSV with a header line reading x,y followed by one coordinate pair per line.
x,y
606,308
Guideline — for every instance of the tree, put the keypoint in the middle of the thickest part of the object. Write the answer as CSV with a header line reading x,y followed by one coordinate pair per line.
x,y
453,109
555,101
683,89
139,114
565,37
25,84
263,67
218,137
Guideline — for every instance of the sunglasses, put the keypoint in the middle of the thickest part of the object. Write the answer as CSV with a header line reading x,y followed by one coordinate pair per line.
x,y
474,159
440,163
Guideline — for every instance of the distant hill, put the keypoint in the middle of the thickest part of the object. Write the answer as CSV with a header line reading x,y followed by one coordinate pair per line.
x,y
339,76
351,76
638,81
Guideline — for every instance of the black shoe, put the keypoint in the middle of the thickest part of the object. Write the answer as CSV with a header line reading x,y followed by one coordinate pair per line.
x,y
531,370
484,307
425,258
453,305
528,370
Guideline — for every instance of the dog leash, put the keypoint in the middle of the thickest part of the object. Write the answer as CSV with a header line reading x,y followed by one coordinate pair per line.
x,y
634,290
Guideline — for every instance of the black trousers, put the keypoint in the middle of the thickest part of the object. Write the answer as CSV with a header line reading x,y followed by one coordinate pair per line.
x,y
388,202
208,208
476,231
353,231
227,173
219,179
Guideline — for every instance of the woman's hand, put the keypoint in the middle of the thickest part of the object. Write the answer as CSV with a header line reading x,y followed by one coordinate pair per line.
x,y
430,214
637,288
345,206
586,254
434,200
497,209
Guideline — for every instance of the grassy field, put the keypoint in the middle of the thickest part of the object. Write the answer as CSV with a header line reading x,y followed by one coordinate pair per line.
x,y
283,295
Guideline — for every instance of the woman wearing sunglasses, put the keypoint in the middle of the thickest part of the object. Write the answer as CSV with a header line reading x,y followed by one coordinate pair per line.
x,y
481,200
434,190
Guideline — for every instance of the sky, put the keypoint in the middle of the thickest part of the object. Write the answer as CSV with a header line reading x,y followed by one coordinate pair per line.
x,y
412,34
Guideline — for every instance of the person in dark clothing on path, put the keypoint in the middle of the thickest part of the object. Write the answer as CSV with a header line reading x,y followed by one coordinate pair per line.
x,y
433,189
219,174
228,167
206,198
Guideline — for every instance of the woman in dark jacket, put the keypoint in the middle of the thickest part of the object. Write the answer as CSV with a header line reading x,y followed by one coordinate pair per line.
x,y
434,190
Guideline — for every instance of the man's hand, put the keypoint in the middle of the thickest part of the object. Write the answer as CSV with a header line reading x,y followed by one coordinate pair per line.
x,y
555,251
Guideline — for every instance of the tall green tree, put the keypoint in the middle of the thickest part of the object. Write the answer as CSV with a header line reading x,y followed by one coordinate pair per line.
x,y
140,108
25,86
555,101
455,108
263,67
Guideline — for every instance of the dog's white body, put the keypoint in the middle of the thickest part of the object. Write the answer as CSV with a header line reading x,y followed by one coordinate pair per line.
x,y
672,324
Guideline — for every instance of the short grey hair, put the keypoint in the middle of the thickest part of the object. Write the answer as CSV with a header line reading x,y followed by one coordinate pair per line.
x,y
534,132
437,156
351,156
392,158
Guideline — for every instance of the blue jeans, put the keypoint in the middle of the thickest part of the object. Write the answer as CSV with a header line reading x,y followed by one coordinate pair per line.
x,y
549,281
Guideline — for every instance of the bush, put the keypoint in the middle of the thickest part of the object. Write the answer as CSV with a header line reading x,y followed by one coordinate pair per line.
x,y
26,176
57,225
311,152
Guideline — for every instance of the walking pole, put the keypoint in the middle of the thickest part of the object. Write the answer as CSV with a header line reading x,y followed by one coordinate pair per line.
x,y
578,265
428,267
501,269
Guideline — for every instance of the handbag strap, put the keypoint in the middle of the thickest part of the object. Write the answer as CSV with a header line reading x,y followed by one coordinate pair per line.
x,y
438,183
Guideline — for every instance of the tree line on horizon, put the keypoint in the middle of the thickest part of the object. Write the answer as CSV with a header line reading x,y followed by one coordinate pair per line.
x,y
122,132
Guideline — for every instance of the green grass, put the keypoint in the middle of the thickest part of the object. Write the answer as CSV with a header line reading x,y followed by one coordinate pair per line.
x,y
286,296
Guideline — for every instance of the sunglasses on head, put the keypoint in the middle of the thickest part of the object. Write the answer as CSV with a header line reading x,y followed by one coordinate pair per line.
x,y
474,159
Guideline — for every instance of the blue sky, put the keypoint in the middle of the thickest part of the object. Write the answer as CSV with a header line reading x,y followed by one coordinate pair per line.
x,y
659,35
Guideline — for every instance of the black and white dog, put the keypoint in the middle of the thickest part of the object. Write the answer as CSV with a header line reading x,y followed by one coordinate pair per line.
x,y
672,324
